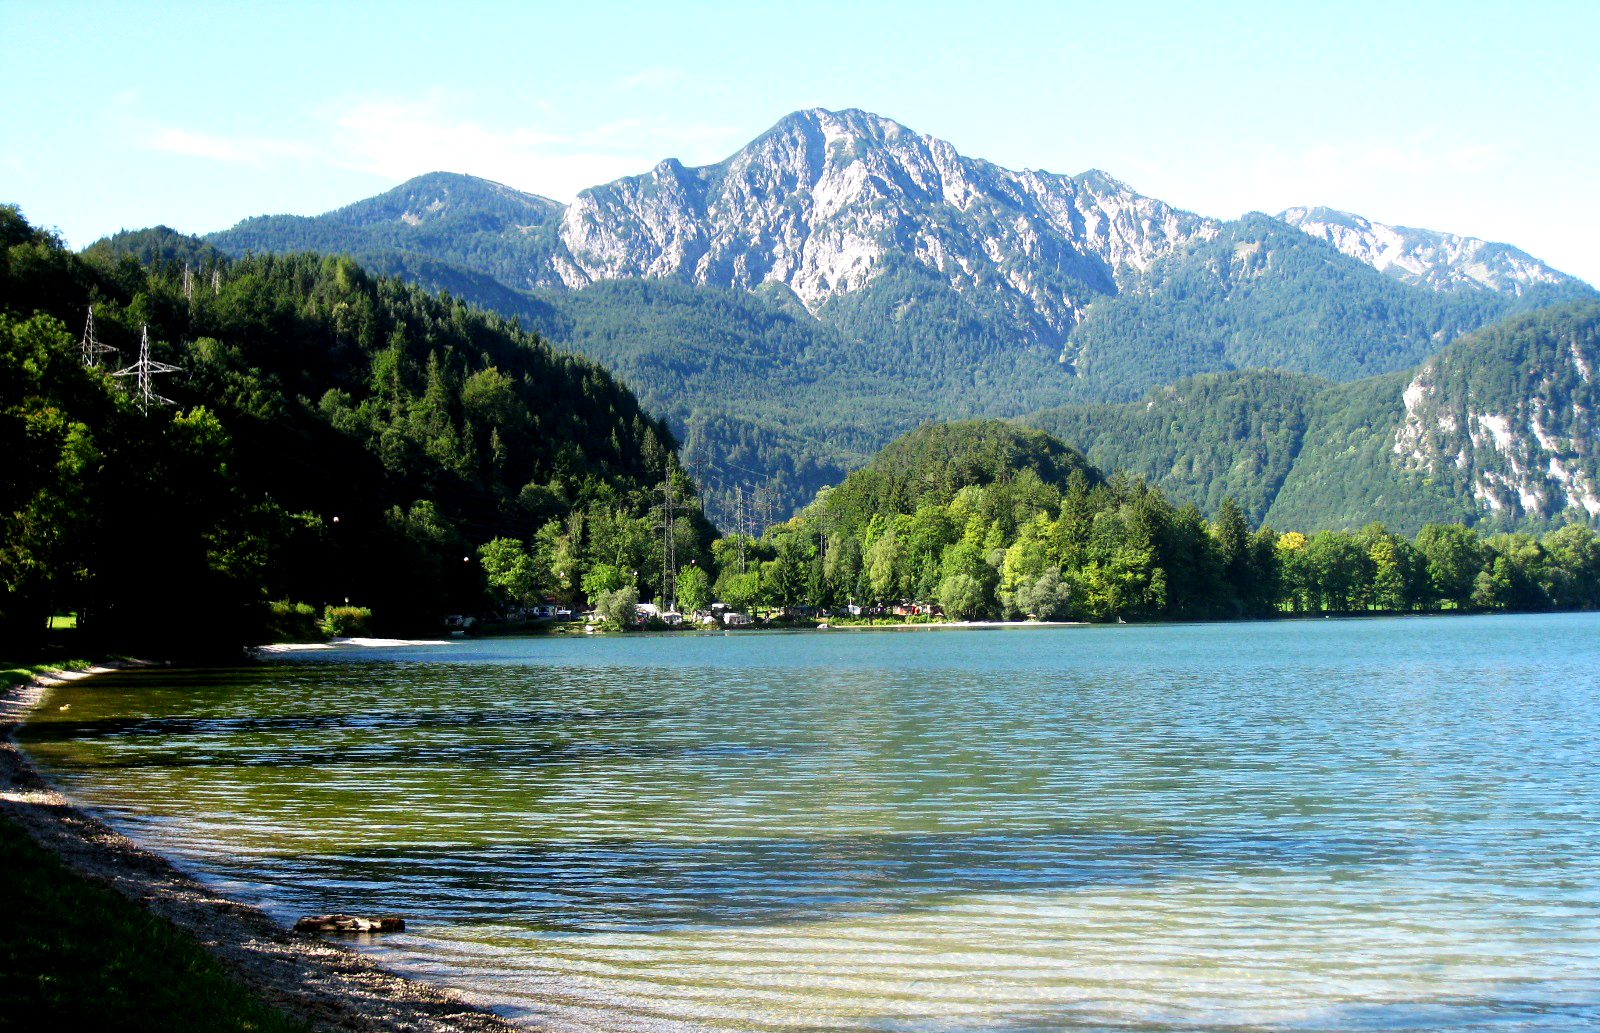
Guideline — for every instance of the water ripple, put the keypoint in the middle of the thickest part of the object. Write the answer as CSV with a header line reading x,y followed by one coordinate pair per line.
x,y
1323,826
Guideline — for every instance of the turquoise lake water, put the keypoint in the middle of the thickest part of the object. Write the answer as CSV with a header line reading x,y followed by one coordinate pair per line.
x,y
1318,825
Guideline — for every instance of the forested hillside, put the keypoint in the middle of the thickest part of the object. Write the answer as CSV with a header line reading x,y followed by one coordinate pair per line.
x,y
1263,295
330,435
326,435
1203,439
981,519
1499,430
459,221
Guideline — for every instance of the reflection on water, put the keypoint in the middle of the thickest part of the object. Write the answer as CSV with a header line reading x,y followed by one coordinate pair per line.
x,y
1300,826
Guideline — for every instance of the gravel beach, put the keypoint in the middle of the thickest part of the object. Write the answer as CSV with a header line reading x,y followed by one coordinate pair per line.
x,y
326,983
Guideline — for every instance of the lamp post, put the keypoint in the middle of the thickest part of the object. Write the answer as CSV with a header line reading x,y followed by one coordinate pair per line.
x,y
338,559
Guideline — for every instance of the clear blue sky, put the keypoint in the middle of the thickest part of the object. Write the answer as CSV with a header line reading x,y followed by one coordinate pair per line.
x,y
1473,117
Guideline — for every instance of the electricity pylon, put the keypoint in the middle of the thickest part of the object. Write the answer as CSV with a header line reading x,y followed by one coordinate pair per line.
x,y
92,348
142,370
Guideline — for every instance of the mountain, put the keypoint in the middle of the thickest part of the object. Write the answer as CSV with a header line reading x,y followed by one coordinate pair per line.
x,y
1511,416
1501,428
1261,295
841,279
464,221
822,200
1203,439
1426,258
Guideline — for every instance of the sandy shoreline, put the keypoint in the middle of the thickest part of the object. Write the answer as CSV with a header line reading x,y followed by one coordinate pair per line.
x,y
362,643
323,982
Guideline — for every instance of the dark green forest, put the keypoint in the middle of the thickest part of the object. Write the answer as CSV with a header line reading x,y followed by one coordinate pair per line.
x,y
327,435
458,222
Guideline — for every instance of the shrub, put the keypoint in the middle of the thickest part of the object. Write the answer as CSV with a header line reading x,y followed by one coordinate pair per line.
x,y
345,621
292,622
620,607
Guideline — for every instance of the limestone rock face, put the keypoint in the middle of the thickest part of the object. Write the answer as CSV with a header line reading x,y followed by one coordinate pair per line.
x,y
1426,258
824,201
1526,452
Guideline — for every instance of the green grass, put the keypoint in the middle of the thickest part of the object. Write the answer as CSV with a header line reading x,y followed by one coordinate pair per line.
x,y
74,955
15,673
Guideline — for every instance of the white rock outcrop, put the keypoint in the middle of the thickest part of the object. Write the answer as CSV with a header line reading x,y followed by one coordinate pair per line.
x,y
1426,258
824,199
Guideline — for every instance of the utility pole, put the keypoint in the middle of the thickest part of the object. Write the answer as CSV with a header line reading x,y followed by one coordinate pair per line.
x,y
92,348
142,370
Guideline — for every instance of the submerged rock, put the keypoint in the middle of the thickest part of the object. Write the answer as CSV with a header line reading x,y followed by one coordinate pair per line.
x,y
350,924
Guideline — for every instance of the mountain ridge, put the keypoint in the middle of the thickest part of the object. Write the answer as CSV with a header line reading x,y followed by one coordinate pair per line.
x,y
851,154
1429,258
925,284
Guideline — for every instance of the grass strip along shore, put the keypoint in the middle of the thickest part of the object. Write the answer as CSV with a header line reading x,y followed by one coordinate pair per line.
x,y
76,955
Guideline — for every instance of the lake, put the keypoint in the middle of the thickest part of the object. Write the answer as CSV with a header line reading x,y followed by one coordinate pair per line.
x,y
1388,824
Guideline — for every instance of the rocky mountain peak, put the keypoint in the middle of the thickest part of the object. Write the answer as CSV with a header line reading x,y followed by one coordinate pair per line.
x,y
821,201
1426,258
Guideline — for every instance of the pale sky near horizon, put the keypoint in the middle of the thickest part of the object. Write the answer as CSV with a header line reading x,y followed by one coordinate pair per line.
x,y
1470,117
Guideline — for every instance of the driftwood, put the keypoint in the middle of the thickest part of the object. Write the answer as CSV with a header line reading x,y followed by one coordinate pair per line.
x,y
350,924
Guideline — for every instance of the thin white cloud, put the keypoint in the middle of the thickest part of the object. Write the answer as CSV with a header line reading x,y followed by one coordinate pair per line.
x,y
244,150
727,136
400,139
1414,158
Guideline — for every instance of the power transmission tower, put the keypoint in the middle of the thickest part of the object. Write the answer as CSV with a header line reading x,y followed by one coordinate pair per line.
x,y
697,462
669,548
764,500
739,489
142,370
92,348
